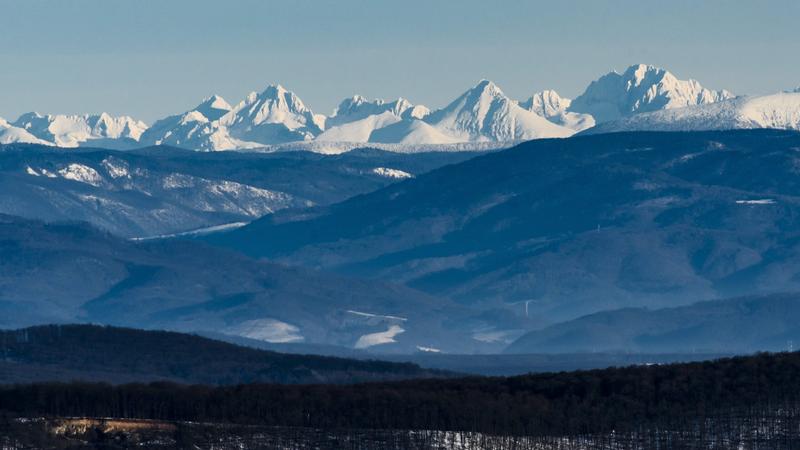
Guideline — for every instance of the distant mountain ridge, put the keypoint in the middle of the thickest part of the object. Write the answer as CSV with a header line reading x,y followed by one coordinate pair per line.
x,y
737,325
277,116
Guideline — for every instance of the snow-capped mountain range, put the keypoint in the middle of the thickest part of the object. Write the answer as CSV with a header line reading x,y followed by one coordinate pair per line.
x,y
642,97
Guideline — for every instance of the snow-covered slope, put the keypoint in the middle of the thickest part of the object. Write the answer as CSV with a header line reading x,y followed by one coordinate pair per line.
x,y
780,111
359,130
356,118
411,132
76,130
553,107
641,88
271,117
484,113
10,134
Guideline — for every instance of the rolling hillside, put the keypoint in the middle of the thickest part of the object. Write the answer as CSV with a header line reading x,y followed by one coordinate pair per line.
x,y
555,229
67,273
122,355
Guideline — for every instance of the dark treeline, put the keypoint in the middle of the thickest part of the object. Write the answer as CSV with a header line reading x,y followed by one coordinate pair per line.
x,y
560,404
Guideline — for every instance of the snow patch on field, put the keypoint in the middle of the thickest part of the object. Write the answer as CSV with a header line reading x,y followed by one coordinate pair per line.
x,y
383,337
268,330
761,201
428,349
391,173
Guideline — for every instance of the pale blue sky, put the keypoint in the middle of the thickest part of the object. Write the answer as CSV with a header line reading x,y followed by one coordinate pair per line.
x,y
150,58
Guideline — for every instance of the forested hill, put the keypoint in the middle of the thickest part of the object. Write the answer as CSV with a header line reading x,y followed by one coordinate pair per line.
x,y
555,404
119,355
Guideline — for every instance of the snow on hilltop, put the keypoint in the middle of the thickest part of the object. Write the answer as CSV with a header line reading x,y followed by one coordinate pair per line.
x,y
780,111
643,97
641,88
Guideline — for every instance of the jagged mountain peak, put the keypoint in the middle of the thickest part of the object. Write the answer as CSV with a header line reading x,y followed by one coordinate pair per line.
x,y
641,88
546,103
485,113
274,116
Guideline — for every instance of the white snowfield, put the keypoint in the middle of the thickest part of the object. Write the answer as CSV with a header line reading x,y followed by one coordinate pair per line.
x,y
643,97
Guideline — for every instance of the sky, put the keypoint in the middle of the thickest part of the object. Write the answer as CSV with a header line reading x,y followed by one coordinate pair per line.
x,y
152,58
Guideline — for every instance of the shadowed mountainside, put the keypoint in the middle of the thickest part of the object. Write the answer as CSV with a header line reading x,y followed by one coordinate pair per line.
x,y
163,190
